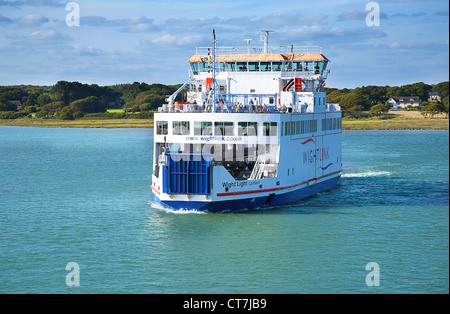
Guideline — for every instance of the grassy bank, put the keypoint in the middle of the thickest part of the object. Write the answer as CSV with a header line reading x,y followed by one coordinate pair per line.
x,y
395,124
95,123
394,120
397,120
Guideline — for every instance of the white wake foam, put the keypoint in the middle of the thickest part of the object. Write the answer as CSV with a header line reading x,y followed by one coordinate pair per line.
x,y
181,211
367,174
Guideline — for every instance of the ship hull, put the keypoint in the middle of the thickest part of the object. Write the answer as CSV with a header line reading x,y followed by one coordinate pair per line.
x,y
252,202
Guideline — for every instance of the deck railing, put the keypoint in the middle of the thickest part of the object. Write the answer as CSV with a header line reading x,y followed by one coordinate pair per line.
x,y
259,50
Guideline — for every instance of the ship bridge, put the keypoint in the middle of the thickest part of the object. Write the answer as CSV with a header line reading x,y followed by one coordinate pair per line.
x,y
245,79
247,75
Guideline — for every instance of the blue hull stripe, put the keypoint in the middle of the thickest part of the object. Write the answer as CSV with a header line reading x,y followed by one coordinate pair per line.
x,y
252,202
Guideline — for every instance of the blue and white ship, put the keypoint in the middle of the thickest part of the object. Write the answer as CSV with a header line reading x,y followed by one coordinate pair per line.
x,y
256,130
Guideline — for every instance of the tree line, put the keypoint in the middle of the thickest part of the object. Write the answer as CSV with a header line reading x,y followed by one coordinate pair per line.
x,y
73,100
374,99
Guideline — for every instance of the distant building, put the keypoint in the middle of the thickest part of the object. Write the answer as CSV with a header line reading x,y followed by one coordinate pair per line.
x,y
119,102
403,102
434,96
17,103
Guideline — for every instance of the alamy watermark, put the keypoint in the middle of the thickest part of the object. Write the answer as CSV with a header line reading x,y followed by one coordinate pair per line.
x,y
373,277
73,17
373,17
73,278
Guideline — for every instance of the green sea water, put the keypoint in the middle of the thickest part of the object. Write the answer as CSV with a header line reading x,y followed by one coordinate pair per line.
x,y
82,196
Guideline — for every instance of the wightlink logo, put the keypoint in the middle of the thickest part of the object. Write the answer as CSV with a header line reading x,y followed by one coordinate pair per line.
x,y
210,138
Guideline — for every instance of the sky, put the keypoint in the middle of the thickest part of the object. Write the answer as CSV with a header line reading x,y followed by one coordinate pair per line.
x,y
150,41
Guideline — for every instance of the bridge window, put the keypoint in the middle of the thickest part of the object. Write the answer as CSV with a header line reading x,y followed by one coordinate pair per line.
x,y
266,66
309,66
194,67
298,66
253,66
242,66
203,67
287,66
276,66
230,66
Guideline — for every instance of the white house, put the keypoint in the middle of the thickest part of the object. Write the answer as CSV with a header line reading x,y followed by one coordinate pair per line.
x,y
434,96
403,102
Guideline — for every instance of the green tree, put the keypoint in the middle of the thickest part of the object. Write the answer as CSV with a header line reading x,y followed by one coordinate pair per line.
x,y
50,110
66,113
442,89
432,108
6,105
89,104
445,104
353,104
43,99
378,109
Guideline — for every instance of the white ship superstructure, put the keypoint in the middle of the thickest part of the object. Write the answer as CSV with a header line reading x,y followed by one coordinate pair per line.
x,y
256,130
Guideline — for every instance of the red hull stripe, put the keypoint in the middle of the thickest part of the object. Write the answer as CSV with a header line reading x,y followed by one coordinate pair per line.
x,y
307,141
276,189
154,189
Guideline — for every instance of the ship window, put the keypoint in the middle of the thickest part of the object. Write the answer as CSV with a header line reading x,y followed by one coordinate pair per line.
x,y
203,66
265,66
270,128
230,66
309,66
229,128
202,128
223,128
242,66
276,66
162,127
194,67
180,127
287,66
253,66
247,128
298,66
331,124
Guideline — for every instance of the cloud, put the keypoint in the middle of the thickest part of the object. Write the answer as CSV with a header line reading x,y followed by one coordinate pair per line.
x,y
177,41
140,28
357,15
436,46
4,20
399,15
102,21
320,34
31,20
35,3
442,13
47,36
134,24
419,14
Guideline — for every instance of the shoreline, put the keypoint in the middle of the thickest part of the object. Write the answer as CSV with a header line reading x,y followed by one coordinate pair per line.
x,y
357,124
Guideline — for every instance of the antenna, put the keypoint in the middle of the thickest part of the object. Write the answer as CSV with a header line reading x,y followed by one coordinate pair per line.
x,y
265,39
214,42
248,45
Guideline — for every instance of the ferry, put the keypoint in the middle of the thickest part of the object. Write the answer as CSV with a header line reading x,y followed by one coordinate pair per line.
x,y
255,130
